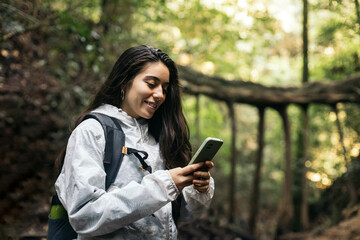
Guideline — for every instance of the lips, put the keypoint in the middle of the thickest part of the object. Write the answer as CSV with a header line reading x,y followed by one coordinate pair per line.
x,y
152,105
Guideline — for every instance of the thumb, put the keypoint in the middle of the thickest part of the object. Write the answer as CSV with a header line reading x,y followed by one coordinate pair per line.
x,y
192,168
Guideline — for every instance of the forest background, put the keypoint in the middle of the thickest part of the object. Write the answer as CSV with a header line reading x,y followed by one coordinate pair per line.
x,y
55,53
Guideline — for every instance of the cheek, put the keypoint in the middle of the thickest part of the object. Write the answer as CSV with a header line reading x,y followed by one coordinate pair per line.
x,y
139,93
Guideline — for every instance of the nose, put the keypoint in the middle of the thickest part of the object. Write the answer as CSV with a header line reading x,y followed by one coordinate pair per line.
x,y
159,93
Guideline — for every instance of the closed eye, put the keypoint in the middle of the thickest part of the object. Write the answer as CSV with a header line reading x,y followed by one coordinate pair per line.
x,y
151,85
153,82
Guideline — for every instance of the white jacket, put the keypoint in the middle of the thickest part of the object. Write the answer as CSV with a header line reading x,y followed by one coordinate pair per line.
x,y
138,204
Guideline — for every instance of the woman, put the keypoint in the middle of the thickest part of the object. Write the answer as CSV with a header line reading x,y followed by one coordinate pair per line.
x,y
142,91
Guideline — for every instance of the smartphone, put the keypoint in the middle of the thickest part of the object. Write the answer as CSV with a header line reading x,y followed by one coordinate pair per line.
x,y
207,150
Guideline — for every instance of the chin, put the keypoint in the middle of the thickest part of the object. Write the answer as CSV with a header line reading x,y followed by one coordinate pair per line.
x,y
147,116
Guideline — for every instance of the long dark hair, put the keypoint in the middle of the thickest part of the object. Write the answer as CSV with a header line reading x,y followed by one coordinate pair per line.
x,y
168,125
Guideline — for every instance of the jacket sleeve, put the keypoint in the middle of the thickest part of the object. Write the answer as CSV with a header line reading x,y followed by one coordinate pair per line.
x,y
195,203
81,187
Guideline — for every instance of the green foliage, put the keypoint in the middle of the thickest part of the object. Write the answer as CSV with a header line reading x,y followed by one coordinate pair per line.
x,y
328,30
337,41
212,124
339,65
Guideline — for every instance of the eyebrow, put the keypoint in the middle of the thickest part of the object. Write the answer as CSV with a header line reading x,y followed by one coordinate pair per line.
x,y
152,77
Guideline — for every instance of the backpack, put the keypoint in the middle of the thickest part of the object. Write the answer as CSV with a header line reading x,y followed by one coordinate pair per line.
x,y
59,228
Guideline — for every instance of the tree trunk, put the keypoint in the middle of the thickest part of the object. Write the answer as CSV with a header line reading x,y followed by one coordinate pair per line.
x,y
341,136
304,211
232,190
197,120
357,9
304,217
286,208
255,196
305,76
117,13
349,183
300,183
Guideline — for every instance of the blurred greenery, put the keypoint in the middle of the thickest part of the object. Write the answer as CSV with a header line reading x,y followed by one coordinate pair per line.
x,y
253,40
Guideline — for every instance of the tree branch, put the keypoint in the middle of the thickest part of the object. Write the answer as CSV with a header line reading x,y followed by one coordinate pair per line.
x,y
331,92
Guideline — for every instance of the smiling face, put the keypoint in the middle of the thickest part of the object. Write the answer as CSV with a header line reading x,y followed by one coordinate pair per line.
x,y
147,91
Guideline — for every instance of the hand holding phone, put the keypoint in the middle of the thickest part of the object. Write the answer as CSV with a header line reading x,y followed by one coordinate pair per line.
x,y
207,150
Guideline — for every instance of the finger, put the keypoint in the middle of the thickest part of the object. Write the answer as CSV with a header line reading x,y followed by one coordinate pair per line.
x,y
191,168
209,165
188,179
200,182
200,174
202,189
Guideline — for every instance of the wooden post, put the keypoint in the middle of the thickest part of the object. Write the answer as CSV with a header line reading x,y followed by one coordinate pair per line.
x,y
304,213
232,181
255,196
286,207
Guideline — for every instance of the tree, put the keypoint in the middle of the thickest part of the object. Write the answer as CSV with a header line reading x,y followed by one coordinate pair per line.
x,y
305,125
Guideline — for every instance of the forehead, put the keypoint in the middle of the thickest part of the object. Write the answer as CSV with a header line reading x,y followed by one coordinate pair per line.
x,y
157,71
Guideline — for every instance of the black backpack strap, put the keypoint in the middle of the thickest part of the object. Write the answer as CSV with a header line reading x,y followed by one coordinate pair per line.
x,y
115,147
145,166
114,141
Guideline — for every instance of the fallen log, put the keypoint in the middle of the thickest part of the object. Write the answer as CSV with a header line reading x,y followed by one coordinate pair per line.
x,y
328,92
